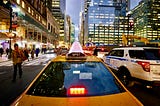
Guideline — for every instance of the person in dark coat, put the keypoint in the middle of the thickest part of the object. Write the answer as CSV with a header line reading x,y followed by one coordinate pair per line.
x,y
1,52
95,51
37,52
7,51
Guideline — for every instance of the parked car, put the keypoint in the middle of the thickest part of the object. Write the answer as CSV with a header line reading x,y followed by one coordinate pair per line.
x,y
132,64
76,80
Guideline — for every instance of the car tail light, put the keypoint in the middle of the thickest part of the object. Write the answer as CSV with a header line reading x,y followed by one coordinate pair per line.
x,y
145,65
77,91
102,49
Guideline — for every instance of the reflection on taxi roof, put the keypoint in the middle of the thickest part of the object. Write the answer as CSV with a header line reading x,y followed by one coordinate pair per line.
x,y
56,80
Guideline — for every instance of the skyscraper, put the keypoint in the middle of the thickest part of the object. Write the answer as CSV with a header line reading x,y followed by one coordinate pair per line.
x,y
106,20
58,10
147,19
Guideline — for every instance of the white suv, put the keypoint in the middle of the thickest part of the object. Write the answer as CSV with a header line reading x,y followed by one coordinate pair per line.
x,y
140,63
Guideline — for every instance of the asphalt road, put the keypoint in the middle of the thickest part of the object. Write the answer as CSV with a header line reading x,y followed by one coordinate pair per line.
x,y
148,97
9,91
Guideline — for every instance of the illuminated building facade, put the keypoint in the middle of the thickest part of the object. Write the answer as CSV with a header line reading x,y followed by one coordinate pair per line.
x,y
29,24
58,11
106,21
147,19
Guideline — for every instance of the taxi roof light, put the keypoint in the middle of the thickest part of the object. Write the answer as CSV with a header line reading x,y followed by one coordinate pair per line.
x,y
76,51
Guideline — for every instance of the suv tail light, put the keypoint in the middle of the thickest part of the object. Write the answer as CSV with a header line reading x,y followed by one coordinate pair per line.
x,y
145,65
76,91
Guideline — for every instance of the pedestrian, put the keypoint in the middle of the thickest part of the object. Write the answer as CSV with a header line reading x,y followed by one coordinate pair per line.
x,y
17,58
7,51
37,52
26,53
32,53
95,51
1,52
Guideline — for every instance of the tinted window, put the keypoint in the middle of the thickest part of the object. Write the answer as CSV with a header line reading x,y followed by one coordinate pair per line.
x,y
118,53
152,54
137,54
60,76
146,54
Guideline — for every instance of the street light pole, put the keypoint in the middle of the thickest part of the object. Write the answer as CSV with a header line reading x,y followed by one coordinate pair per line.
x,y
10,30
8,5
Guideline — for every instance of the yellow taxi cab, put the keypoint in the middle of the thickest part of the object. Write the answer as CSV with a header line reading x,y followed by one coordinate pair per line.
x,y
76,80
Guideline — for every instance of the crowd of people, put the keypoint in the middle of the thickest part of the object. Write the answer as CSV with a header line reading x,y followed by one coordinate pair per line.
x,y
27,52
2,51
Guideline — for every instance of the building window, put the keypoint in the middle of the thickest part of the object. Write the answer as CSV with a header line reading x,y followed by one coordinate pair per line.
x,y
32,12
29,9
36,16
48,26
23,4
18,1
39,18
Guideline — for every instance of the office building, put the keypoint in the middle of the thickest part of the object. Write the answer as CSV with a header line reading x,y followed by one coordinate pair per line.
x,y
58,11
147,19
106,21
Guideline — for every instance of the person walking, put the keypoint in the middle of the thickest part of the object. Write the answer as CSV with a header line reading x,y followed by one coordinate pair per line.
x,y
1,52
95,52
7,51
32,53
17,58
37,52
26,53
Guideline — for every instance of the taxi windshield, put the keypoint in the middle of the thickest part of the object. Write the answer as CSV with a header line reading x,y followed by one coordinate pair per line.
x,y
60,76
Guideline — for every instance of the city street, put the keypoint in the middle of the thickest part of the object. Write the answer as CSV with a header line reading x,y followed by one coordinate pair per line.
x,y
9,91
125,33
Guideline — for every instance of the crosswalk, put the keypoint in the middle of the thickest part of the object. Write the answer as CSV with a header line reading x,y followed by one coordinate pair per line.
x,y
36,61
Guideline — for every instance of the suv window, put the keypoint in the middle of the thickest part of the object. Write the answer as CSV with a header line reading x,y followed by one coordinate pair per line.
x,y
60,76
152,54
118,53
146,54
137,54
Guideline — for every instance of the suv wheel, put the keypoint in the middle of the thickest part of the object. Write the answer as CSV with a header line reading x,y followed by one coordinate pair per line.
x,y
125,78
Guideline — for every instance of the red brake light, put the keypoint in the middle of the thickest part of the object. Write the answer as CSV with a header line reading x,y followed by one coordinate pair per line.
x,y
102,49
77,91
145,65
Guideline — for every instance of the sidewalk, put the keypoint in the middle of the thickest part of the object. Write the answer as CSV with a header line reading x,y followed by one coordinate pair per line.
x,y
4,58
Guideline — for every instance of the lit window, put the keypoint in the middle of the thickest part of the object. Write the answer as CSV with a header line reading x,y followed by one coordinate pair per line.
x,y
29,9
18,1
23,5
39,18
32,12
36,16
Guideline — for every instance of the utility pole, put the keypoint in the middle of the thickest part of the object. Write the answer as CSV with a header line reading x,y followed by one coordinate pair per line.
x,y
8,5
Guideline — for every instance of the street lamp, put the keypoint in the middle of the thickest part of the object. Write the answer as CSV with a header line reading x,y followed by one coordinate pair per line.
x,y
8,6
